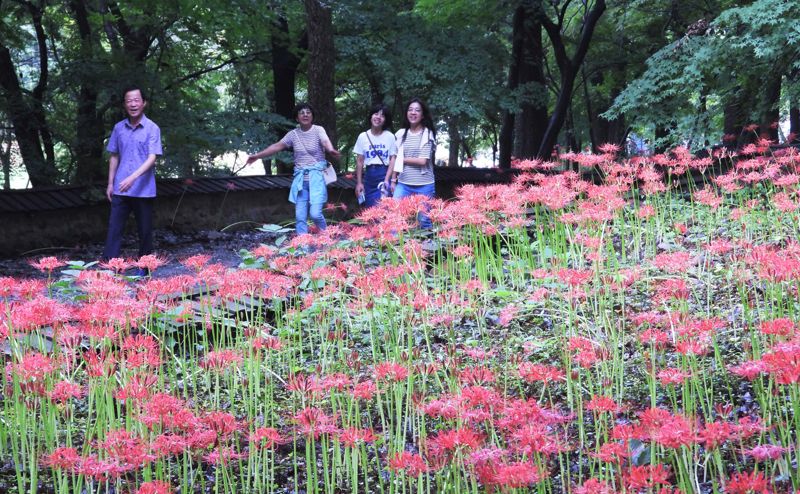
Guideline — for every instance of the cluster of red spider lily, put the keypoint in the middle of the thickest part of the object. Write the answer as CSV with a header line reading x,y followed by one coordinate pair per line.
x,y
554,335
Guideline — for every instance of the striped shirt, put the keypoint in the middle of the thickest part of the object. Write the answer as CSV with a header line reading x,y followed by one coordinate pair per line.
x,y
307,146
413,148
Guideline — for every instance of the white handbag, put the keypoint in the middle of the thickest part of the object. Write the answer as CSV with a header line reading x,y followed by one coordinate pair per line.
x,y
329,174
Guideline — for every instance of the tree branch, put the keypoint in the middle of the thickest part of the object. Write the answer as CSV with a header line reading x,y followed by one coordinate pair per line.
x,y
194,75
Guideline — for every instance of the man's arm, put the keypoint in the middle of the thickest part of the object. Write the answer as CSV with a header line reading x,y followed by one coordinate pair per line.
x,y
128,182
113,163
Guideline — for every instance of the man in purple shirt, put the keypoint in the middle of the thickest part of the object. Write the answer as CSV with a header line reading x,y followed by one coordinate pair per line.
x,y
134,144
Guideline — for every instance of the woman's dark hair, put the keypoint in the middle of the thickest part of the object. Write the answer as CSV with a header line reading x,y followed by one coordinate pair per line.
x,y
387,115
303,106
427,119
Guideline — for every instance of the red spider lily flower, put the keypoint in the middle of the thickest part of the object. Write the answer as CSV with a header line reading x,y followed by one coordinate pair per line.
x,y
48,264
409,463
614,453
601,404
708,197
365,390
165,445
575,277
509,475
718,246
672,376
783,362
196,262
476,376
65,390
646,211
535,437
167,412
267,343
222,456
780,327
63,459
671,431
100,364
116,264
137,389
128,451
765,452
672,289
508,314
32,370
748,483
654,337
594,486
141,350
531,372
749,369
266,437
716,433
673,262
150,262
155,487
391,372
455,439
337,381
352,437
308,386
223,424
38,312
314,422
220,360
748,427
647,476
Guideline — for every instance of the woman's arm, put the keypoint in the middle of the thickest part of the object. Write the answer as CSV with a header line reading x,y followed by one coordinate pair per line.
x,y
268,151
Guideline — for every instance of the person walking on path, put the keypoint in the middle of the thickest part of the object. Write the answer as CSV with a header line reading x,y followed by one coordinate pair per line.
x,y
412,173
134,145
310,143
375,152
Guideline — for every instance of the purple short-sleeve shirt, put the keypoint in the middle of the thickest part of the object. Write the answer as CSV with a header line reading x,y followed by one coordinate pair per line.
x,y
134,145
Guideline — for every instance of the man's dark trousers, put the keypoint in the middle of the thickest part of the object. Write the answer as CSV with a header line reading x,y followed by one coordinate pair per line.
x,y
121,207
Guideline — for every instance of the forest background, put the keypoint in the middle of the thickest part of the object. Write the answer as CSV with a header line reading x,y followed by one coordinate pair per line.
x,y
515,78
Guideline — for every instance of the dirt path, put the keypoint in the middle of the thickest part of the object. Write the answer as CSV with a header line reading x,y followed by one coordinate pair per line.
x,y
222,246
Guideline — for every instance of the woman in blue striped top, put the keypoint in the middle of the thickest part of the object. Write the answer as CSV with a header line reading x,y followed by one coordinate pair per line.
x,y
310,143
416,142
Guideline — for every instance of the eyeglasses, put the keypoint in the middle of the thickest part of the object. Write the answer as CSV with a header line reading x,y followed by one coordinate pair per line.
x,y
305,112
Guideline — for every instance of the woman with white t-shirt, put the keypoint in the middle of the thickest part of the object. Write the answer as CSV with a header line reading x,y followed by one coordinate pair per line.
x,y
310,143
375,152
412,173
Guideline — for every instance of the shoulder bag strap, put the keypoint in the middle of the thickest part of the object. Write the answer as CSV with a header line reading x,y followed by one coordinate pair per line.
x,y
373,148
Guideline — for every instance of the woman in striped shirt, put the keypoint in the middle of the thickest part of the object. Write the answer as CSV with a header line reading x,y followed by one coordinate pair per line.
x,y
413,170
310,143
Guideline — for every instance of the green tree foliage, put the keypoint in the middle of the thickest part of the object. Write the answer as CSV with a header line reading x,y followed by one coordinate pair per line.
x,y
719,76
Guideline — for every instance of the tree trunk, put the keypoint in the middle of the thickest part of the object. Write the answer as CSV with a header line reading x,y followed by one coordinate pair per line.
x,y
736,117
506,140
88,124
321,55
5,157
284,75
532,119
26,120
455,142
770,115
794,123
569,70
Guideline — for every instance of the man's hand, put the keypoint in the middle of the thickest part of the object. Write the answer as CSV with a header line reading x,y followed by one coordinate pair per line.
x,y
250,159
335,153
126,184
109,191
359,189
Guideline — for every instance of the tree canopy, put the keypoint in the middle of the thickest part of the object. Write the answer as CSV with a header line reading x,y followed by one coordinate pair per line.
x,y
519,78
